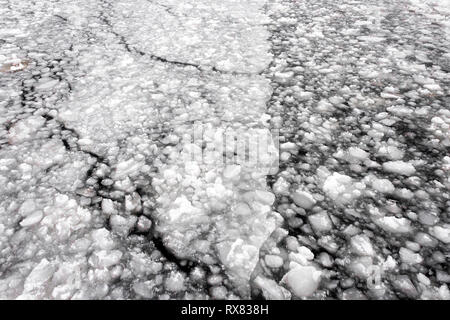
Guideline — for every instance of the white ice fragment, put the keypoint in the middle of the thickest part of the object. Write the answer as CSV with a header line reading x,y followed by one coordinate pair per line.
x,y
32,219
433,87
394,224
39,275
46,84
218,292
144,289
281,186
283,77
132,202
303,256
108,206
242,209
271,290
341,188
441,233
285,156
409,257
391,152
424,239
361,245
27,207
144,224
126,168
102,239
303,199
192,168
122,225
383,185
371,39
444,292
357,154
399,167
105,259
24,130
183,208
320,222
240,258
265,197
232,172
304,95
85,142
175,282
273,261
306,252
288,146
217,191
324,106
389,264
303,281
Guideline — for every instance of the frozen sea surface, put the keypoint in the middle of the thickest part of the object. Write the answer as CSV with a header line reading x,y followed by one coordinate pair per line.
x,y
103,194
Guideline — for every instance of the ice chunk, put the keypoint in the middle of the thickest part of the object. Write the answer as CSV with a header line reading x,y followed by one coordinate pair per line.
x,y
122,225
241,257
404,284
265,197
273,261
303,256
361,245
105,259
357,154
232,172
133,202
302,281
383,185
144,224
303,199
126,168
218,292
324,106
341,188
409,256
271,290
144,289
394,224
288,146
27,207
46,84
441,233
320,222
281,186
24,130
353,294
175,282
362,266
391,152
108,206
182,208
399,167
102,239
192,168
242,209
39,275
32,219
305,252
